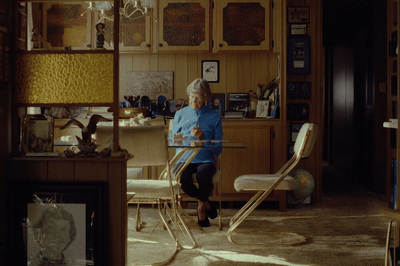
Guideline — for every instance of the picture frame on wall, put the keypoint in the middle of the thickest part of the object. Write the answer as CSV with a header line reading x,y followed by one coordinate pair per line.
x,y
305,90
299,55
292,91
217,103
294,131
210,70
78,208
298,14
298,29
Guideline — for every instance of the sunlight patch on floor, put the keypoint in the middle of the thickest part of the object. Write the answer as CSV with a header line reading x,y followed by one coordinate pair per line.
x,y
212,255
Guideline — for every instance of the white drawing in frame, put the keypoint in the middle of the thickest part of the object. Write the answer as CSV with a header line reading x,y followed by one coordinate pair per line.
x,y
56,233
262,108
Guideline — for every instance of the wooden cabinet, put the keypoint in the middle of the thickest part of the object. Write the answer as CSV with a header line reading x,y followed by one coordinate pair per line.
x,y
393,134
184,25
255,158
243,25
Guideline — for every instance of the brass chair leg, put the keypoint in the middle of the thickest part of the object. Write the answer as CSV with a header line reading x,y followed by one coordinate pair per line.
x,y
139,222
389,231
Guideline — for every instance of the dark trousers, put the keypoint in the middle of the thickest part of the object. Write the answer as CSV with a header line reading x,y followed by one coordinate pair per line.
x,y
204,172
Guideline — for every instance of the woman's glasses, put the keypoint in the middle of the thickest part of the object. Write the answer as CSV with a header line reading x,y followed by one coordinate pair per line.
x,y
196,98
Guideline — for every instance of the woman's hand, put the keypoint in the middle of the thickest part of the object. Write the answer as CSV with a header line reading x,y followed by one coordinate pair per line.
x,y
197,132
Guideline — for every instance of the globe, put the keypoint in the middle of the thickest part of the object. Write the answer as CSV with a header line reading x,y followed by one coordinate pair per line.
x,y
304,185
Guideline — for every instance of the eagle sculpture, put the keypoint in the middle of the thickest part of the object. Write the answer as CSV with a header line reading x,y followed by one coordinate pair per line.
x,y
89,130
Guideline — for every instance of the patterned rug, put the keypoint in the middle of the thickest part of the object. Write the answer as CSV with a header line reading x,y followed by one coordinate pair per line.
x,y
345,229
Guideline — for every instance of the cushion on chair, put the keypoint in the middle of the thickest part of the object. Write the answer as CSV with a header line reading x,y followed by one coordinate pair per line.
x,y
263,181
150,188
134,173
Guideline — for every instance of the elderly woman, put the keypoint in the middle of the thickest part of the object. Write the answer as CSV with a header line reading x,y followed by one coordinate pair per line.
x,y
199,122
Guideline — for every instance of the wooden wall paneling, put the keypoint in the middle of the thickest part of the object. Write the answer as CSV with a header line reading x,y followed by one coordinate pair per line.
x,y
118,220
276,25
166,62
194,69
37,170
153,62
61,170
125,65
232,73
221,87
235,162
90,170
180,76
243,73
140,62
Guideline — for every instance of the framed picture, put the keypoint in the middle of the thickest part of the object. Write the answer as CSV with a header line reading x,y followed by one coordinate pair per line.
x,y
210,70
298,29
292,91
151,84
262,108
217,103
298,14
299,55
298,111
305,90
294,131
37,133
61,221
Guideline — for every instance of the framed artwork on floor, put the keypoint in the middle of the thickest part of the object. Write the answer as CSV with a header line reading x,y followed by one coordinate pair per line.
x,y
64,222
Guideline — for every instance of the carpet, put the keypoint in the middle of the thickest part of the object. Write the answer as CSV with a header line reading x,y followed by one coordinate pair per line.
x,y
345,229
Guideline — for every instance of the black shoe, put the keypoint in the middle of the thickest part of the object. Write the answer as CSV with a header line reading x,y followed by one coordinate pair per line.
x,y
205,223
212,212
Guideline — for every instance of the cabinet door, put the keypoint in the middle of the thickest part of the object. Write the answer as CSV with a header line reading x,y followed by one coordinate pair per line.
x,y
243,25
254,159
184,25
59,26
135,32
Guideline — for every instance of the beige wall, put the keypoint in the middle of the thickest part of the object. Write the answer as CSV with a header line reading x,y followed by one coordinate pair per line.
x,y
239,72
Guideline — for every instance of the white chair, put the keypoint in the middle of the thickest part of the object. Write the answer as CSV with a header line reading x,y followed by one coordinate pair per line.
x,y
264,184
149,147
216,180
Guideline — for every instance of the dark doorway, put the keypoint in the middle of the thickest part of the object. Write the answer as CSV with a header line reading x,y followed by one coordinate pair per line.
x,y
354,36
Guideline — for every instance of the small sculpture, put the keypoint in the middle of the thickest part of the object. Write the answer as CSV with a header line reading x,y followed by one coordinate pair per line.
x,y
90,129
100,35
132,100
86,146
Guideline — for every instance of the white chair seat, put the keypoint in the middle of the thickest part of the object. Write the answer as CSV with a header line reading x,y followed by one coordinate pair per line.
x,y
134,173
149,188
262,182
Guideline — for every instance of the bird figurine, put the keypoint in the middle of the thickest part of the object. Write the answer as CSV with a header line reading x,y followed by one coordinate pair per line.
x,y
90,129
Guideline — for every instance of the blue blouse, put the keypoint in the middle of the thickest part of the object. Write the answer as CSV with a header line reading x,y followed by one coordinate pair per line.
x,y
210,123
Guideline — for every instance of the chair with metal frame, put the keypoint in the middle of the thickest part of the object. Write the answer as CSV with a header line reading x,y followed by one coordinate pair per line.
x,y
264,184
149,147
216,180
